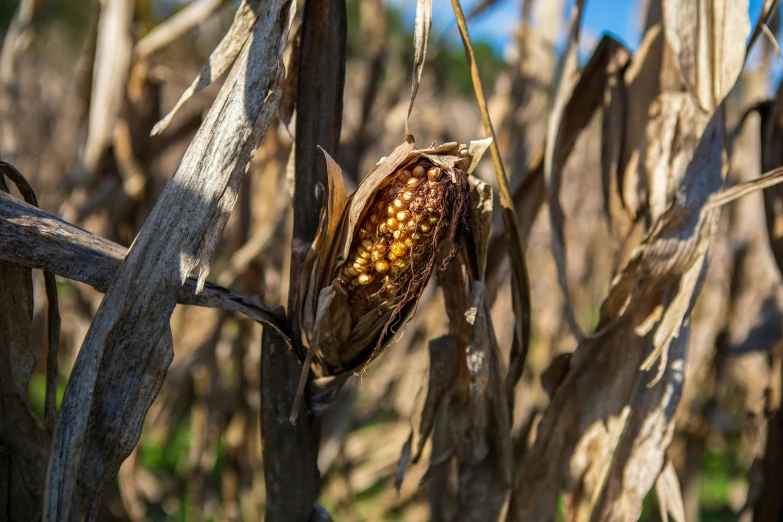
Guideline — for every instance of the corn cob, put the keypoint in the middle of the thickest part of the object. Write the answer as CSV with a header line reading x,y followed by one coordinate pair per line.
x,y
393,252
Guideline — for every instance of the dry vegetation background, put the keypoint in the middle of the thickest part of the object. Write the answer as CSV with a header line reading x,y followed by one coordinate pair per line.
x,y
619,157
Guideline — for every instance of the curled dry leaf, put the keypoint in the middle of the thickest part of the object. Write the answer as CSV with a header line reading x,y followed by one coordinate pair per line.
x,y
566,81
421,35
402,463
53,312
708,41
23,438
642,90
667,489
444,368
112,66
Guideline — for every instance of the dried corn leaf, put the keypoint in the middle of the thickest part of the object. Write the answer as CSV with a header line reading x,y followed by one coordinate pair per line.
x,y
708,40
336,201
566,82
679,238
479,422
667,489
421,35
53,311
402,463
599,403
483,450
23,439
675,125
603,427
642,91
229,197
444,367
221,58
31,237
112,65
612,141
480,223
24,443
772,157
126,353
574,107
172,29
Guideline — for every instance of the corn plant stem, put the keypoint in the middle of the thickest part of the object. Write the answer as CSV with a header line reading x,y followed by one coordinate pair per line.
x,y
290,451
510,221
505,192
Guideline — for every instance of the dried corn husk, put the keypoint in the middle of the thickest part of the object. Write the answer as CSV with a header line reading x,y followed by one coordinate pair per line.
x,y
375,251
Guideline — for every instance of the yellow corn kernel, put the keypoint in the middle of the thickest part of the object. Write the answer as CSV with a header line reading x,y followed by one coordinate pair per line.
x,y
364,279
398,204
418,172
398,248
403,215
392,223
434,174
382,266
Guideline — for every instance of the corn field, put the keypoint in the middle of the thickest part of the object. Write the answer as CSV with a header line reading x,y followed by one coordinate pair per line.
x,y
311,260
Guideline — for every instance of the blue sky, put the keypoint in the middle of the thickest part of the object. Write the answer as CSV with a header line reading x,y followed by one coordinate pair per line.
x,y
620,17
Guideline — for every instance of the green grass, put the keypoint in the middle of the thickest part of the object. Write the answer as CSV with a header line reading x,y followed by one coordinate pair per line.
x,y
36,390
